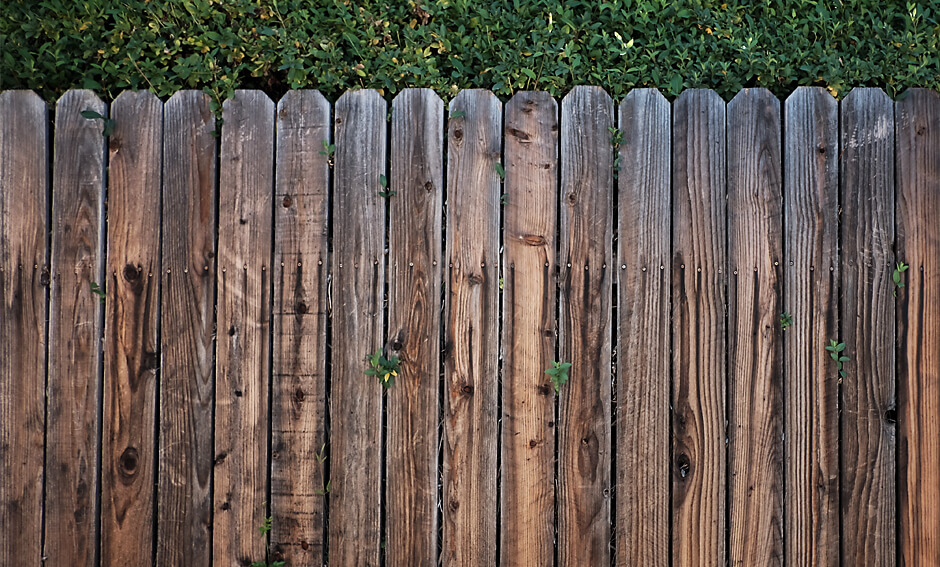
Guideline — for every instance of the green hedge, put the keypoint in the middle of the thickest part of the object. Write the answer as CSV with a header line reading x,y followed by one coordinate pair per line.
x,y
503,45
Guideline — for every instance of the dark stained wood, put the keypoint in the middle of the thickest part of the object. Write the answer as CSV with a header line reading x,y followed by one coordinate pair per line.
x,y
811,237
246,186
528,428
584,330
471,355
184,507
131,315
918,207
24,280
298,407
414,325
644,270
868,329
359,272
699,270
75,319
755,339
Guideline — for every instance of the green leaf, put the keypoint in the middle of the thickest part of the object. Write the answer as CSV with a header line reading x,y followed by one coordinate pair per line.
x,y
500,170
91,115
383,181
458,114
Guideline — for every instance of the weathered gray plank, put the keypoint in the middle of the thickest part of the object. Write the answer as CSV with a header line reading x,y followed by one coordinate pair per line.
x,y
868,312
298,407
811,393
755,338
918,193
131,316
414,325
471,359
584,331
246,186
24,279
528,434
184,507
644,207
698,305
359,272
75,319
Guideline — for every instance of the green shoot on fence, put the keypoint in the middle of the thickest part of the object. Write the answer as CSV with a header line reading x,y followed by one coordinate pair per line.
x,y
785,320
558,373
108,122
386,369
835,349
898,271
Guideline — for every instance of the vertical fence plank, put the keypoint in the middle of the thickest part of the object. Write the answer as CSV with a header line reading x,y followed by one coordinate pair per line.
x,y
918,208
471,355
131,314
528,434
755,341
868,312
246,183
644,267
811,440
24,277
584,327
414,311
298,407
184,508
698,304
359,270
75,321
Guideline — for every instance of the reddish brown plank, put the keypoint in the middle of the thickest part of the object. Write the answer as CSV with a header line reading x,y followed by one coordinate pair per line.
x,y
246,186
644,268
184,507
698,303
359,281
471,360
755,338
75,319
584,331
868,329
24,279
298,407
528,434
131,354
918,207
811,436
414,325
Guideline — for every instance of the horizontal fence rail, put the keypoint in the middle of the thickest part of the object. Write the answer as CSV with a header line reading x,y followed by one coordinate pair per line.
x,y
744,298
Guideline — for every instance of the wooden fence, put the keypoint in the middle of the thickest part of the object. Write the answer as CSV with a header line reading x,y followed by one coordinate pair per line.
x,y
692,261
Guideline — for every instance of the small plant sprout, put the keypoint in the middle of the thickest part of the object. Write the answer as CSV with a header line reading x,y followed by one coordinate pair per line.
x,y
898,270
385,368
265,528
504,199
458,114
785,320
108,123
835,352
383,181
328,151
500,171
616,138
96,289
558,373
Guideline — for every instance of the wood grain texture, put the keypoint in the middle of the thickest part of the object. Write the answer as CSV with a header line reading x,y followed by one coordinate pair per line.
x,y
414,325
187,334
755,339
918,207
24,281
359,270
301,264
131,316
811,389
868,329
471,357
246,186
75,319
584,327
528,427
699,270
643,483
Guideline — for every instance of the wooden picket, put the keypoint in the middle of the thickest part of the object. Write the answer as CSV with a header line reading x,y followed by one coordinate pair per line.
x,y
187,304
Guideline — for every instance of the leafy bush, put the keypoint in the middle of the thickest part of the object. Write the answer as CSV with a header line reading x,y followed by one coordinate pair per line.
x,y
448,45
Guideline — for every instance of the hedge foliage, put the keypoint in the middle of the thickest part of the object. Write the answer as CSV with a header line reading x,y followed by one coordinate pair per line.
x,y
503,45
